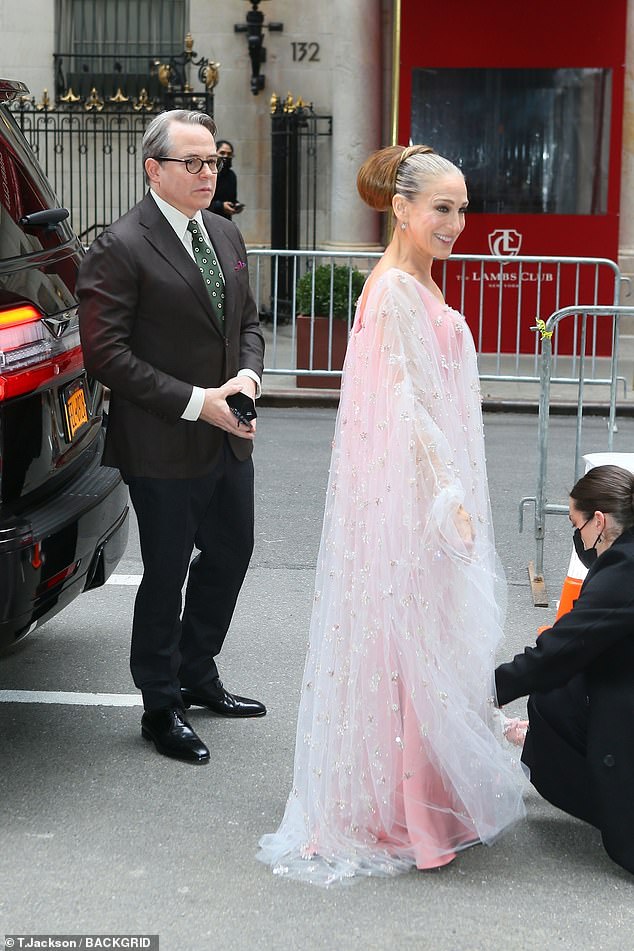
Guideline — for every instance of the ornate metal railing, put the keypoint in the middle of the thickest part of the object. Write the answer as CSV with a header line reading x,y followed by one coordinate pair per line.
x,y
91,155
300,183
89,140
164,80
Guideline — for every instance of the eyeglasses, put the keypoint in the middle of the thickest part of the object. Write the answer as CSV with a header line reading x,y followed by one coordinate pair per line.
x,y
194,165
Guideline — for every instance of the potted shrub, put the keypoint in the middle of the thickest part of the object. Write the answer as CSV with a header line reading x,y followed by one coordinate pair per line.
x,y
325,290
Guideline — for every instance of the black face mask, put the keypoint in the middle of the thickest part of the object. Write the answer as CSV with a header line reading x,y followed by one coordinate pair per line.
x,y
587,556
227,161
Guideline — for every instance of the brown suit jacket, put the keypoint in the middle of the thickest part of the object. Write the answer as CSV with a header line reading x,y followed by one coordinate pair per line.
x,y
149,334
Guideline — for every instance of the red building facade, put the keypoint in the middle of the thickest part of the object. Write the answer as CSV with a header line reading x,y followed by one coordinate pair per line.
x,y
529,102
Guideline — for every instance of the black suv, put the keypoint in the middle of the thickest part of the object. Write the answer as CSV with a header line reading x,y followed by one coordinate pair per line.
x,y
63,517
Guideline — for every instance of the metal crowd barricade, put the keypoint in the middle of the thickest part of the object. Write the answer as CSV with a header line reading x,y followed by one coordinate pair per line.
x,y
274,276
502,297
546,331
512,293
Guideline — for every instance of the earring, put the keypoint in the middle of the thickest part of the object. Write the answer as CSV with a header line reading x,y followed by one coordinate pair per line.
x,y
403,226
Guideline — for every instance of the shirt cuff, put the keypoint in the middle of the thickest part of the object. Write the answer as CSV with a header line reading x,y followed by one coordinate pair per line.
x,y
195,406
252,376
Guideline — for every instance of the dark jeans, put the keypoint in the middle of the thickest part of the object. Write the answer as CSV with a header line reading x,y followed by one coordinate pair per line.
x,y
555,748
214,513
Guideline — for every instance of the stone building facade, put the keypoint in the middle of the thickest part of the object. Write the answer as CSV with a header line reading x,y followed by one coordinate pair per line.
x,y
336,56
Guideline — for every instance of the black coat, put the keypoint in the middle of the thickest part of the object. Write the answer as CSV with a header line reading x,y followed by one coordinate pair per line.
x,y
596,637
226,190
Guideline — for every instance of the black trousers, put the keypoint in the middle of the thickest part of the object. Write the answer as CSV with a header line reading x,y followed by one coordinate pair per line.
x,y
214,513
555,749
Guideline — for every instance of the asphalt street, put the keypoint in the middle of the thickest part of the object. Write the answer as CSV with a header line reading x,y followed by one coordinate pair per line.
x,y
101,835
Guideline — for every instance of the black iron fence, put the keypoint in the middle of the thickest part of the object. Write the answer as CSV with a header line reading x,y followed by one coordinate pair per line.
x,y
165,80
300,185
90,149
91,156
89,140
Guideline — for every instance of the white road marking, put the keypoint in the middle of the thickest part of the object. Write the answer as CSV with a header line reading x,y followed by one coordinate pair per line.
x,y
65,697
134,580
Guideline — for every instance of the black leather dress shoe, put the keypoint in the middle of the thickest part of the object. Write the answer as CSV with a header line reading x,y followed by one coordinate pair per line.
x,y
222,702
173,736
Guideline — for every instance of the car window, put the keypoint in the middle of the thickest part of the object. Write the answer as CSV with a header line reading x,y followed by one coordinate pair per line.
x,y
22,191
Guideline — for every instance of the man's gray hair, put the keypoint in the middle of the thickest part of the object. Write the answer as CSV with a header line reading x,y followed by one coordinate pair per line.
x,y
156,139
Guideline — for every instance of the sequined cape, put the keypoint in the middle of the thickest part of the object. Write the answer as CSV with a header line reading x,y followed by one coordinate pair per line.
x,y
399,760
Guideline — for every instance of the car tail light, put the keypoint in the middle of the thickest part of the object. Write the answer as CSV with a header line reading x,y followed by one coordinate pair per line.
x,y
19,327
57,578
30,355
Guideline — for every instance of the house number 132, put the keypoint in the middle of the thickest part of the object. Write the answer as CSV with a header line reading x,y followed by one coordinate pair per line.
x,y
305,52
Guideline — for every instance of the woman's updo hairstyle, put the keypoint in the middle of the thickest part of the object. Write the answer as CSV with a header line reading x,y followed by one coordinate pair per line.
x,y
607,489
400,170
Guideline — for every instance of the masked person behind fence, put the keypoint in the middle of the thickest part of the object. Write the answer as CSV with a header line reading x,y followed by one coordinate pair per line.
x,y
399,760
225,201
580,675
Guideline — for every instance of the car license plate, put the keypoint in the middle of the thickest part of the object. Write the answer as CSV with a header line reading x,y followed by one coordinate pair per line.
x,y
75,408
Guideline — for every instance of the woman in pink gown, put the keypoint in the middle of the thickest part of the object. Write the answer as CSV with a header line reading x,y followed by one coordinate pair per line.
x,y
399,761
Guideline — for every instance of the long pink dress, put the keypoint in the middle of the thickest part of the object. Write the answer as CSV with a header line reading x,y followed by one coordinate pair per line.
x,y
399,760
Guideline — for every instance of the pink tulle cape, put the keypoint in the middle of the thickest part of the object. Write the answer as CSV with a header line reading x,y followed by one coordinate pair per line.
x,y
399,760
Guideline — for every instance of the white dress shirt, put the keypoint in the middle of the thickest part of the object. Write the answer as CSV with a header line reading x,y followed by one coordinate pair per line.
x,y
179,223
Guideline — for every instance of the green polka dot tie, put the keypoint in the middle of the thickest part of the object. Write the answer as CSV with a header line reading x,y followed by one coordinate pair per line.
x,y
206,260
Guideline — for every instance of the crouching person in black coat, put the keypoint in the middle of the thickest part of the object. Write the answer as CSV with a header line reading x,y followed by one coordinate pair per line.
x,y
579,678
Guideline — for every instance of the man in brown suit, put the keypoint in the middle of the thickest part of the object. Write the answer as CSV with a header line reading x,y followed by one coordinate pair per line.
x,y
169,324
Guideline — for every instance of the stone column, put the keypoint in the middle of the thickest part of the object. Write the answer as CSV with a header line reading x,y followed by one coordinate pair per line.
x,y
356,125
626,226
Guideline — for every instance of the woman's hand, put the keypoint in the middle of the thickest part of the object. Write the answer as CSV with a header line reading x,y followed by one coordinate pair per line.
x,y
464,524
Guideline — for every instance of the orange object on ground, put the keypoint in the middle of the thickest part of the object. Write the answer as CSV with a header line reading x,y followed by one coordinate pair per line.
x,y
572,585
569,590
569,594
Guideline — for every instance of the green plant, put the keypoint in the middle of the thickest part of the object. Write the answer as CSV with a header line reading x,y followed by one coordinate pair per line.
x,y
342,284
